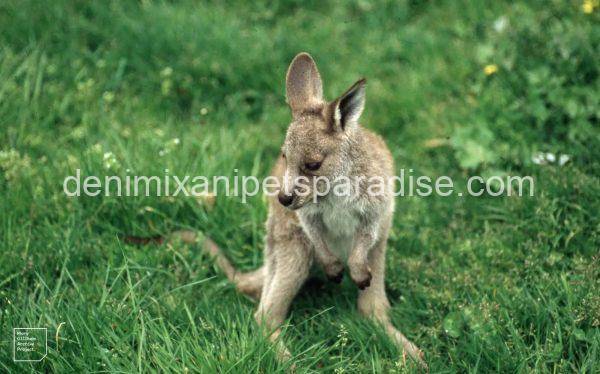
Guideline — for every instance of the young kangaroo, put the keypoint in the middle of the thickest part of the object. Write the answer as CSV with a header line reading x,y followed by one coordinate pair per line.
x,y
324,140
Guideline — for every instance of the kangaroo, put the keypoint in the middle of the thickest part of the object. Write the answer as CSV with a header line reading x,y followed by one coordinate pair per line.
x,y
324,141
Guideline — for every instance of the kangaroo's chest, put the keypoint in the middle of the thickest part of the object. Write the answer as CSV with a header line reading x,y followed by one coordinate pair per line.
x,y
340,223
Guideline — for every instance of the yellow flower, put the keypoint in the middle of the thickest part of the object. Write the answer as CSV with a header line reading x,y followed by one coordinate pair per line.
x,y
490,69
588,6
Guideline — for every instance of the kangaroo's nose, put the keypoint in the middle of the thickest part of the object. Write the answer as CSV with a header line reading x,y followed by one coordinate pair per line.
x,y
285,199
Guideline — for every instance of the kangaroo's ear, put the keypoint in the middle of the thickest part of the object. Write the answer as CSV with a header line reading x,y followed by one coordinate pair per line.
x,y
348,107
304,88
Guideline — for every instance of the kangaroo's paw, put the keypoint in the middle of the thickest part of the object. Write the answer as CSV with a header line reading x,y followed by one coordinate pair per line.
x,y
361,276
337,278
335,271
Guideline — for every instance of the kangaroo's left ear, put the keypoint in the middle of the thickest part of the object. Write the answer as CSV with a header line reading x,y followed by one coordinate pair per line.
x,y
348,107
304,88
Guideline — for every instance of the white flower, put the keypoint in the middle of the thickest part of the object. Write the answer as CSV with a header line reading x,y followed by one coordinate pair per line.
x,y
110,160
500,24
538,158
544,158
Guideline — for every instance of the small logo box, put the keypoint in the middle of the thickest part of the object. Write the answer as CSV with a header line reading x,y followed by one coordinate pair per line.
x,y
30,344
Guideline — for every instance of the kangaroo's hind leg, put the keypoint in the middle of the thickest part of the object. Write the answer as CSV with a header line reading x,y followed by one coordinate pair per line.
x,y
373,303
287,264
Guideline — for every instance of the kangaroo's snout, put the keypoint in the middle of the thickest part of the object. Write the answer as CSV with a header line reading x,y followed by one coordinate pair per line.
x,y
285,199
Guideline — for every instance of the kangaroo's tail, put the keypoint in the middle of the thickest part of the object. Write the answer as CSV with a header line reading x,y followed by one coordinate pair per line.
x,y
249,283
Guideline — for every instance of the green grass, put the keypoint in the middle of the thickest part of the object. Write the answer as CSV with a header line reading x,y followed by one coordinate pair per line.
x,y
479,283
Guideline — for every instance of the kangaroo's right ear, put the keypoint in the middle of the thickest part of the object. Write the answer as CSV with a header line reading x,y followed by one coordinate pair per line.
x,y
348,107
304,88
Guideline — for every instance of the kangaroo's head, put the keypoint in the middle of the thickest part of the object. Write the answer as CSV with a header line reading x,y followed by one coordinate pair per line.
x,y
320,136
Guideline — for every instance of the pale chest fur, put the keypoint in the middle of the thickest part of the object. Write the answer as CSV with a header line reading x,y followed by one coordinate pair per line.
x,y
339,220
340,227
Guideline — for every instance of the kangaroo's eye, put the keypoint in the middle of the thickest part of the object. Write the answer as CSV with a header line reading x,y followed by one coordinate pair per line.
x,y
312,166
